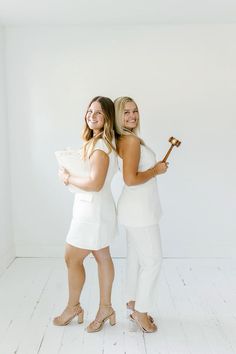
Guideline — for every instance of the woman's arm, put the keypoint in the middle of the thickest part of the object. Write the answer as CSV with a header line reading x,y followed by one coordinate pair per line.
x,y
129,151
99,162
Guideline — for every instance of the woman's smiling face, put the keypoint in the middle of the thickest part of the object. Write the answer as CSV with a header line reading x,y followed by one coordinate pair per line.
x,y
131,115
95,116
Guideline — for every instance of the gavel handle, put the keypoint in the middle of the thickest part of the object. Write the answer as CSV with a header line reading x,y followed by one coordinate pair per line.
x,y
168,153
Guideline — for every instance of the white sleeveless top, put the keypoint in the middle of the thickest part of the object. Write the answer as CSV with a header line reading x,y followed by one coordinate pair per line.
x,y
93,225
139,205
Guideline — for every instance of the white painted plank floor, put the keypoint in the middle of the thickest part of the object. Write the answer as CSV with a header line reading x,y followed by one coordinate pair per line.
x,y
196,310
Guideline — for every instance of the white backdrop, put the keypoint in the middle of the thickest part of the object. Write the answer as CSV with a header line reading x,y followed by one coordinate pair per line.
x,y
7,251
183,78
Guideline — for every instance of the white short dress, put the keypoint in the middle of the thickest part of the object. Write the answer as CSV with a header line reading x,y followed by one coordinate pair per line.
x,y
93,225
139,206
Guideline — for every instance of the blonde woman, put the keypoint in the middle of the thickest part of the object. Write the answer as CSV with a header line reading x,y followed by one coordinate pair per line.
x,y
94,217
139,211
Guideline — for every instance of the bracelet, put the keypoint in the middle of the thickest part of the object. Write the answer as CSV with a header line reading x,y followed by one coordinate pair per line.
x,y
66,180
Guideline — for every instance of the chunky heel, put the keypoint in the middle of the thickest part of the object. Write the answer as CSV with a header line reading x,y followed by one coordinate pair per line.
x,y
81,317
98,323
112,319
68,314
136,322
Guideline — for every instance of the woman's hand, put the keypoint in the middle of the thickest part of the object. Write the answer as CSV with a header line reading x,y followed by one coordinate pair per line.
x,y
63,175
160,167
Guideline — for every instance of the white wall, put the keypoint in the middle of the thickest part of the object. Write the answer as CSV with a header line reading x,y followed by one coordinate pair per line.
x,y
7,252
183,78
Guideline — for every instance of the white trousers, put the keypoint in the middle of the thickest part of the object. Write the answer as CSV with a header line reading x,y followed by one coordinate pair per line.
x,y
144,257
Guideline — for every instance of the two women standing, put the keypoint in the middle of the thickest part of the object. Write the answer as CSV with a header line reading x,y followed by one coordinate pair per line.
x,y
94,219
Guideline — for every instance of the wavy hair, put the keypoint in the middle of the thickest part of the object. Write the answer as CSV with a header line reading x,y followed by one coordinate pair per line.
x,y
107,133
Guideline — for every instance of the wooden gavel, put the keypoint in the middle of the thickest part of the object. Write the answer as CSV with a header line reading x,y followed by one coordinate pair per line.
x,y
174,142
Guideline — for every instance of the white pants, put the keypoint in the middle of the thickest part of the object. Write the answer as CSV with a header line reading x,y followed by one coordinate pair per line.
x,y
144,256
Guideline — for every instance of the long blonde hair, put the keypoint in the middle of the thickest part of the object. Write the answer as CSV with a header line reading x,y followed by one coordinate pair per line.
x,y
107,133
120,129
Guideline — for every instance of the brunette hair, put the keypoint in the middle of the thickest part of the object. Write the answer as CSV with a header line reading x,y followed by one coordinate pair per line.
x,y
107,132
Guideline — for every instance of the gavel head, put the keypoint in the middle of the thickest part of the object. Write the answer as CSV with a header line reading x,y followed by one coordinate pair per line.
x,y
174,141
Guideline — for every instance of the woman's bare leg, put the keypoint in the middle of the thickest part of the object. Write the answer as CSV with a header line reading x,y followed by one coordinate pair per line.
x,y
106,277
74,258
105,274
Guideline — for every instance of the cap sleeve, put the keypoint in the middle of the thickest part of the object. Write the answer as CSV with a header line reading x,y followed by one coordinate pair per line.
x,y
101,145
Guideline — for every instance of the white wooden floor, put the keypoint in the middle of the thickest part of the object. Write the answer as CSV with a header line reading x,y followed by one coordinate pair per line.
x,y
196,310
